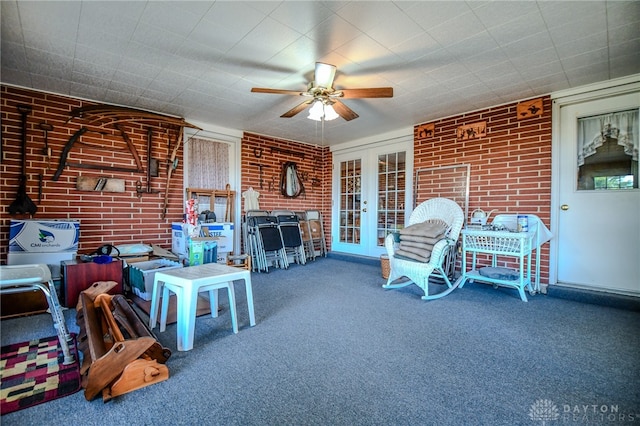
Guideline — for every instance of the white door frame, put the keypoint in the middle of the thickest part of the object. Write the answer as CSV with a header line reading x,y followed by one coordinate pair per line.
x,y
369,155
563,98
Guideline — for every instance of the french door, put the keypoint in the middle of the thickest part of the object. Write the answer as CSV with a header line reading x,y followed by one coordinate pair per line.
x,y
371,197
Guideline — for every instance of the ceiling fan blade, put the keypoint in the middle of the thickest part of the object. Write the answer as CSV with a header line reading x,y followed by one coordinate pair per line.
x,y
374,92
296,109
344,111
275,91
324,75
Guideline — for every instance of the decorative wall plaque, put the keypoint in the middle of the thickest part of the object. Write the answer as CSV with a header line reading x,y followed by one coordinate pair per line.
x,y
426,131
472,131
529,108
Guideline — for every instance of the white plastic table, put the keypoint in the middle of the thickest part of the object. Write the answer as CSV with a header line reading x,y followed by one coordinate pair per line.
x,y
187,283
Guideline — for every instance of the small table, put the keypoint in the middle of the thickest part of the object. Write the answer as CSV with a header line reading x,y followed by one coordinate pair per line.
x,y
191,280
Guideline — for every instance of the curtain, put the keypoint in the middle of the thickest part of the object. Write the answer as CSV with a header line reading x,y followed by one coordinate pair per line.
x,y
208,164
594,131
209,169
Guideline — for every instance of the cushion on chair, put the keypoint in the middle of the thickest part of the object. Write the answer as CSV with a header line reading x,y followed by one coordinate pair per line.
x,y
417,240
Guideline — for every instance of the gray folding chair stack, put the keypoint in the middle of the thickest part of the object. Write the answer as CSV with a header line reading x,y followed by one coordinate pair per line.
x,y
266,243
292,237
318,242
251,239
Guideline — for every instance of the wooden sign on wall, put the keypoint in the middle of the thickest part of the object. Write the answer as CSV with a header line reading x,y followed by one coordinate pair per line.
x,y
531,108
426,131
472,131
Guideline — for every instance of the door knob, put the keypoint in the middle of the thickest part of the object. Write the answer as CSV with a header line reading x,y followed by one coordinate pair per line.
x,y
364,210
564,207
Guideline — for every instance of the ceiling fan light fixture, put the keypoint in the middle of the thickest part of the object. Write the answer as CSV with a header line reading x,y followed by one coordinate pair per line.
x,y
320,111
330,113
316,112
324,75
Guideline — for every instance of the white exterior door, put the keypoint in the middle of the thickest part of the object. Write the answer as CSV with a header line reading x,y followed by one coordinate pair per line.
x,y
598,230
371,197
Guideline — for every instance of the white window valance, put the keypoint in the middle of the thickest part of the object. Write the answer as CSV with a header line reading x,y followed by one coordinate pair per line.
x,y
594,131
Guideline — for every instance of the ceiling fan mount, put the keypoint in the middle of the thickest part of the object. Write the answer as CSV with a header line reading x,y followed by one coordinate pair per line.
x,y
321,90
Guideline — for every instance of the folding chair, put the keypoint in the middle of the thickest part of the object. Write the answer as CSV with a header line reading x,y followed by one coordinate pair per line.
x,y
23,278
292,237
319,244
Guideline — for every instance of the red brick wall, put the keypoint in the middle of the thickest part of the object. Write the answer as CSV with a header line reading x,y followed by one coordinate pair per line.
x,y
510,166
314,165
105,217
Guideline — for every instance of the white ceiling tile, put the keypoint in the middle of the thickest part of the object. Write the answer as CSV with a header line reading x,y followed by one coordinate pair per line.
x,y
16,76
48,83
236,17
473,46
626,65
563,13
361,49
40,41
13,56
107,17
151,36
91,69
100,41
624,33
119,98
57,19
584,59
516,29
416,47
578,29
594,41
497,13
464,26
525,46
535,59
300,16
86,91
324,35
395,30
623,49
264,41
428,14
170,16
48,64
368,15
11,29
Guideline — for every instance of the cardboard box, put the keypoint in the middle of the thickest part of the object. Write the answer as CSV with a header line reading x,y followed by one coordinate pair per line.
x,y
44,236
179,238
222,231
142,274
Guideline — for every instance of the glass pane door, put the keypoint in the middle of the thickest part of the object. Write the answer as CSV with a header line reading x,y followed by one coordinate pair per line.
x,y
372,197
391,194
350,199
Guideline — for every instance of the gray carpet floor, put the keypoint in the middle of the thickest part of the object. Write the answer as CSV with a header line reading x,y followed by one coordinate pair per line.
x,y
331,347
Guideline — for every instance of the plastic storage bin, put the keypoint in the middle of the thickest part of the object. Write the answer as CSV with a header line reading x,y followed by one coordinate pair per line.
x,y
141,274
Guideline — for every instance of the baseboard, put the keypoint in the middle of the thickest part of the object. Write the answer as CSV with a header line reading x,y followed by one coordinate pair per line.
x,y
592,297
348,257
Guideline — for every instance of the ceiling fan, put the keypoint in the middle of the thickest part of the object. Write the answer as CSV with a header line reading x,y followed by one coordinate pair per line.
x,y
321,95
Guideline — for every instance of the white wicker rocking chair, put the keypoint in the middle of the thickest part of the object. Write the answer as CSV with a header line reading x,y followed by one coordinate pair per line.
x,y
418,273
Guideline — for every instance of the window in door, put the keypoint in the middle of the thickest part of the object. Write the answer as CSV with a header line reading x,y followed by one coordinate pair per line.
x,y
350,198
391,193
608,151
